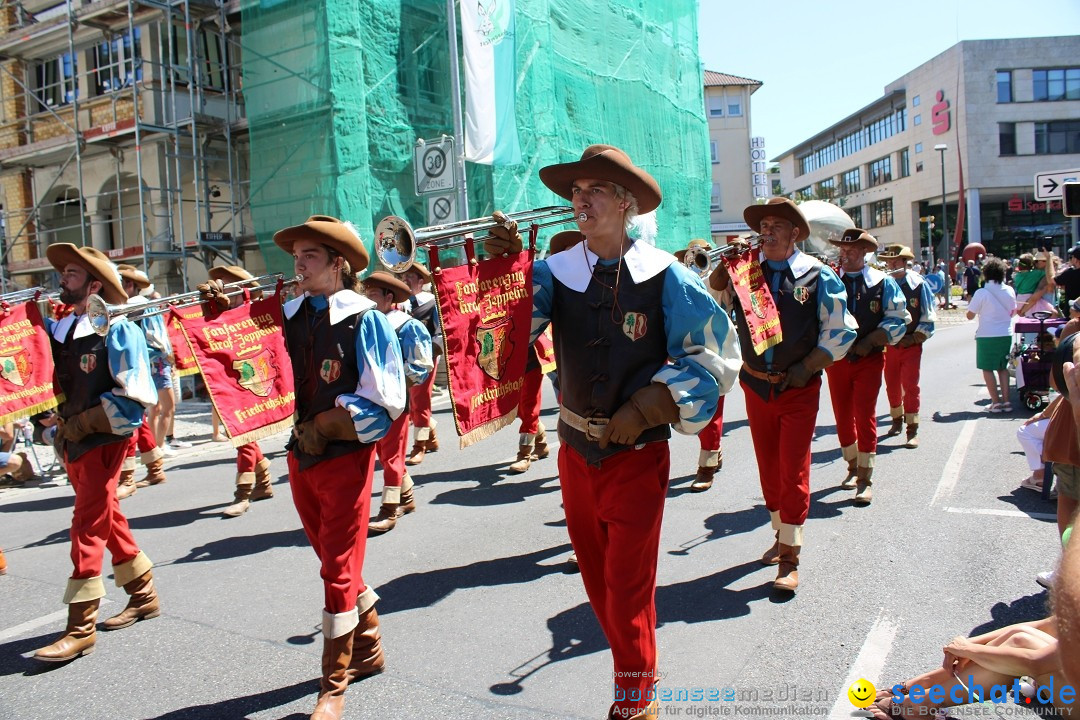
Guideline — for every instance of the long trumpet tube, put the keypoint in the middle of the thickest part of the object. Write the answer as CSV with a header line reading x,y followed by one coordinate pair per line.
x,y
102,315
396,241
703,261
19,296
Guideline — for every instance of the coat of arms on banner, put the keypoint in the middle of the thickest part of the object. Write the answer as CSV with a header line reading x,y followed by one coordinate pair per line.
x,y
495,346
634,325
330,370
801,294
15,368
88,362
257,374
756,305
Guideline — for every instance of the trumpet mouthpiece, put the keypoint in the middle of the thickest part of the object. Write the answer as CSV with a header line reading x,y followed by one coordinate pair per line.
x,y
581,217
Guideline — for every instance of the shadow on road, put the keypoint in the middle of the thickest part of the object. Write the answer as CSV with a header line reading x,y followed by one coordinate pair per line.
x,y
1024,609
175,518
40,505
241,545
1029,502
504,493
248,705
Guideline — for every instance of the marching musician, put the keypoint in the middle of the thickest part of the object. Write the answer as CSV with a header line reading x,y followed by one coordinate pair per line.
x,y
903,360
252,468
783,384
350,387
160,349
107,388
877,304
423,307
385,291
640,346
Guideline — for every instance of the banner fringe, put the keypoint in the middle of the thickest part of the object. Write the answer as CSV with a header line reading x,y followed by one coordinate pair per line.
x,y
486,430
31,410
258,434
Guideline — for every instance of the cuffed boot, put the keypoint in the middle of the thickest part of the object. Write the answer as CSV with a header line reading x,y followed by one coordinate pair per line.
x,y
912,431
897,416
143,601
423,439
709,461
245,482
787,575
772,555
336,658
432,441
125,487
262,490
407,503
155,472
851,454
525,453
541,445
79,636
864,493
389,513
367,651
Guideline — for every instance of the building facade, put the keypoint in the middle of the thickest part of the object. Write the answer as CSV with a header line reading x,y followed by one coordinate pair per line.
x,y
736,158
1003,110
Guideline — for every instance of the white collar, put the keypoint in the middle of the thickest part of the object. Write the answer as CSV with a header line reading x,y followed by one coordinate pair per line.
x,y
913,279
397,318
573,266
343,304
871,275
800,263
84,328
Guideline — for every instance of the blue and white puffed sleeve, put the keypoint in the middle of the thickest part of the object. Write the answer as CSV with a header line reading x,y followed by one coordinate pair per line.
x,y
838,326
157,336
380,394
129,364
543,293
416,351
702,347
929,312
895,315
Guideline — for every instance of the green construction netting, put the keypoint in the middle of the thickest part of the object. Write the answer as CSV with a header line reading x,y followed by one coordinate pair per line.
x,y
337,92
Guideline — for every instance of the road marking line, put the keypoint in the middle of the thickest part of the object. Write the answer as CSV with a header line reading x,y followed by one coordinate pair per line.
x,y
951,472
1001,512
868,663
53,617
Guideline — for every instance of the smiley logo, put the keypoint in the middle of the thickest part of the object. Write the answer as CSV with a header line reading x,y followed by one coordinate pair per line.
x,y
861,693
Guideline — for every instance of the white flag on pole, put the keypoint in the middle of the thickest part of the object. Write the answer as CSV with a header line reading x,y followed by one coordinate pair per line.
x,y
487,33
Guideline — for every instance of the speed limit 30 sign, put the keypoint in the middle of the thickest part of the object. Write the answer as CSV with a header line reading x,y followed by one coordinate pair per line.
x,y
433,162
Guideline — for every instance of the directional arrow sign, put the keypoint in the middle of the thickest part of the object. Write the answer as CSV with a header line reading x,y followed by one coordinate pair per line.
x,y
1048,184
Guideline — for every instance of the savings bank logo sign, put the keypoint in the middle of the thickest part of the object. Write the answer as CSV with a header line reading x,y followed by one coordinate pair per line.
x,y
495,16
940,117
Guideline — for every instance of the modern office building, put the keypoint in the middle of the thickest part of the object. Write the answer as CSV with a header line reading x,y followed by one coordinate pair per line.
x,y
1003,110
737,158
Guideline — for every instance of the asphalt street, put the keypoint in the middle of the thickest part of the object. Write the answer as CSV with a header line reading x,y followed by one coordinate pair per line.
x,y
480,617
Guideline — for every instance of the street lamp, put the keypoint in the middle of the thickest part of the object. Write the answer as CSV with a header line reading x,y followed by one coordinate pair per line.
x,y
941,148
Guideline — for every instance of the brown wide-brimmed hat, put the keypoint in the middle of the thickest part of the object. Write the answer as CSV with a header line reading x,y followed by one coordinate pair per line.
x,y
856,236
94,262
780,207
230,274
896,252
340,236
386,281
564,240
696,242
134,274
420,269
604,162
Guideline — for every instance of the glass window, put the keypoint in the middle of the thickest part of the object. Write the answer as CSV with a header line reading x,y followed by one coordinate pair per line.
x,y
827,188
905,165
1056,84
915,101
211,58
716,106
1006,138
734,109
918,148
714,152
1004,86
114,63
855,213
715,200
849,182
881,213
804,194
880,129
56,81
880,171
917,120
1057,138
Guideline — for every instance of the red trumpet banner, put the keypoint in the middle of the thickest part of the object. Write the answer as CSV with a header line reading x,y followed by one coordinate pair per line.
x,y
756,301
242,357
183,356
26,363
486,311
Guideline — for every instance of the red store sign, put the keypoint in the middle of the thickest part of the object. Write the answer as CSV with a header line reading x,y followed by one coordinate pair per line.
x,y
1016,205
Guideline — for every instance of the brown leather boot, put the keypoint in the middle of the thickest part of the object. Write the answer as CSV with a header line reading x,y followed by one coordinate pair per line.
x,y
865,493
703,480
912,436
125,488
896,426
155,474
367,651
432,441
852,471
772,555
386,520
416,455
241,499
541,446
3,564
787,575
262,489
336,657
524,459
142,605
408,501
79,636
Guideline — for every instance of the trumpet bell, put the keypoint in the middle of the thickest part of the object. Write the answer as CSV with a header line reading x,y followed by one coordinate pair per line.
x,y
827,222
395,243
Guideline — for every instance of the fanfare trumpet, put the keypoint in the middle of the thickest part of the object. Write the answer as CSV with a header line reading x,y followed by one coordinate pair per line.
x,y
35,293
396,241
703,261
101,315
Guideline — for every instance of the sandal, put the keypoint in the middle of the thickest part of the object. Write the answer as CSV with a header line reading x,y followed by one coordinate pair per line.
x,y
1007,407
1030,483
996,408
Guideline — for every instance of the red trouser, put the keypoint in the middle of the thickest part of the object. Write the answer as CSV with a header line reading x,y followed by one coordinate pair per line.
x,y
782,429
902,377
247,457
333,499
420,400
613,515
142,439
391,451
529,405
709,437
97,522
854,388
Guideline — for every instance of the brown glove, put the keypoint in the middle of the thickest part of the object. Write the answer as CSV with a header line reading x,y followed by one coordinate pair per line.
x,y
906,341
504,238
877,338
650,406
308,439
77,427
313,436
213,292
799,374
719,279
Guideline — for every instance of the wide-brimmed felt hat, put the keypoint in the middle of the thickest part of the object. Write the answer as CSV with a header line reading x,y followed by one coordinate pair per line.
x,y
896,252
340,236
777,207
135,275
383,279
564,240
230,274
1043,257
94,262
420,269
696,242
604,162
856,236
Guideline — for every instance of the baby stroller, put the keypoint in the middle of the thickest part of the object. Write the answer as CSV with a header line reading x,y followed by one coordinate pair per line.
x,y
1032,357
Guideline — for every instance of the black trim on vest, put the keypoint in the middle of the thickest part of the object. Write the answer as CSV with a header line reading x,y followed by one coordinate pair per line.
x,y
912,298
82,373
866,307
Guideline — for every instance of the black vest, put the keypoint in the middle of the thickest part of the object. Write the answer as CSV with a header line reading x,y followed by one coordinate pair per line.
x,y
425,313
797,303
601,366
865,305
324,366
82,374
913,296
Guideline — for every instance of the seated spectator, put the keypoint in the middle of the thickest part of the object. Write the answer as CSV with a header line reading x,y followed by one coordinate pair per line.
x,y
1030,434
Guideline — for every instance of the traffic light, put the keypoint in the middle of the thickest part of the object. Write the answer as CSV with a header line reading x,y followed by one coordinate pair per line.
x,y
1070,196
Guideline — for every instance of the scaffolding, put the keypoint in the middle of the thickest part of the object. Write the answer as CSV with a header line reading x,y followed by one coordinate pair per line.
x,y
123,128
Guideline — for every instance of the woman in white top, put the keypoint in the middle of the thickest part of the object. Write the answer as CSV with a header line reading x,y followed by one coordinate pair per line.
x,y
994,305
